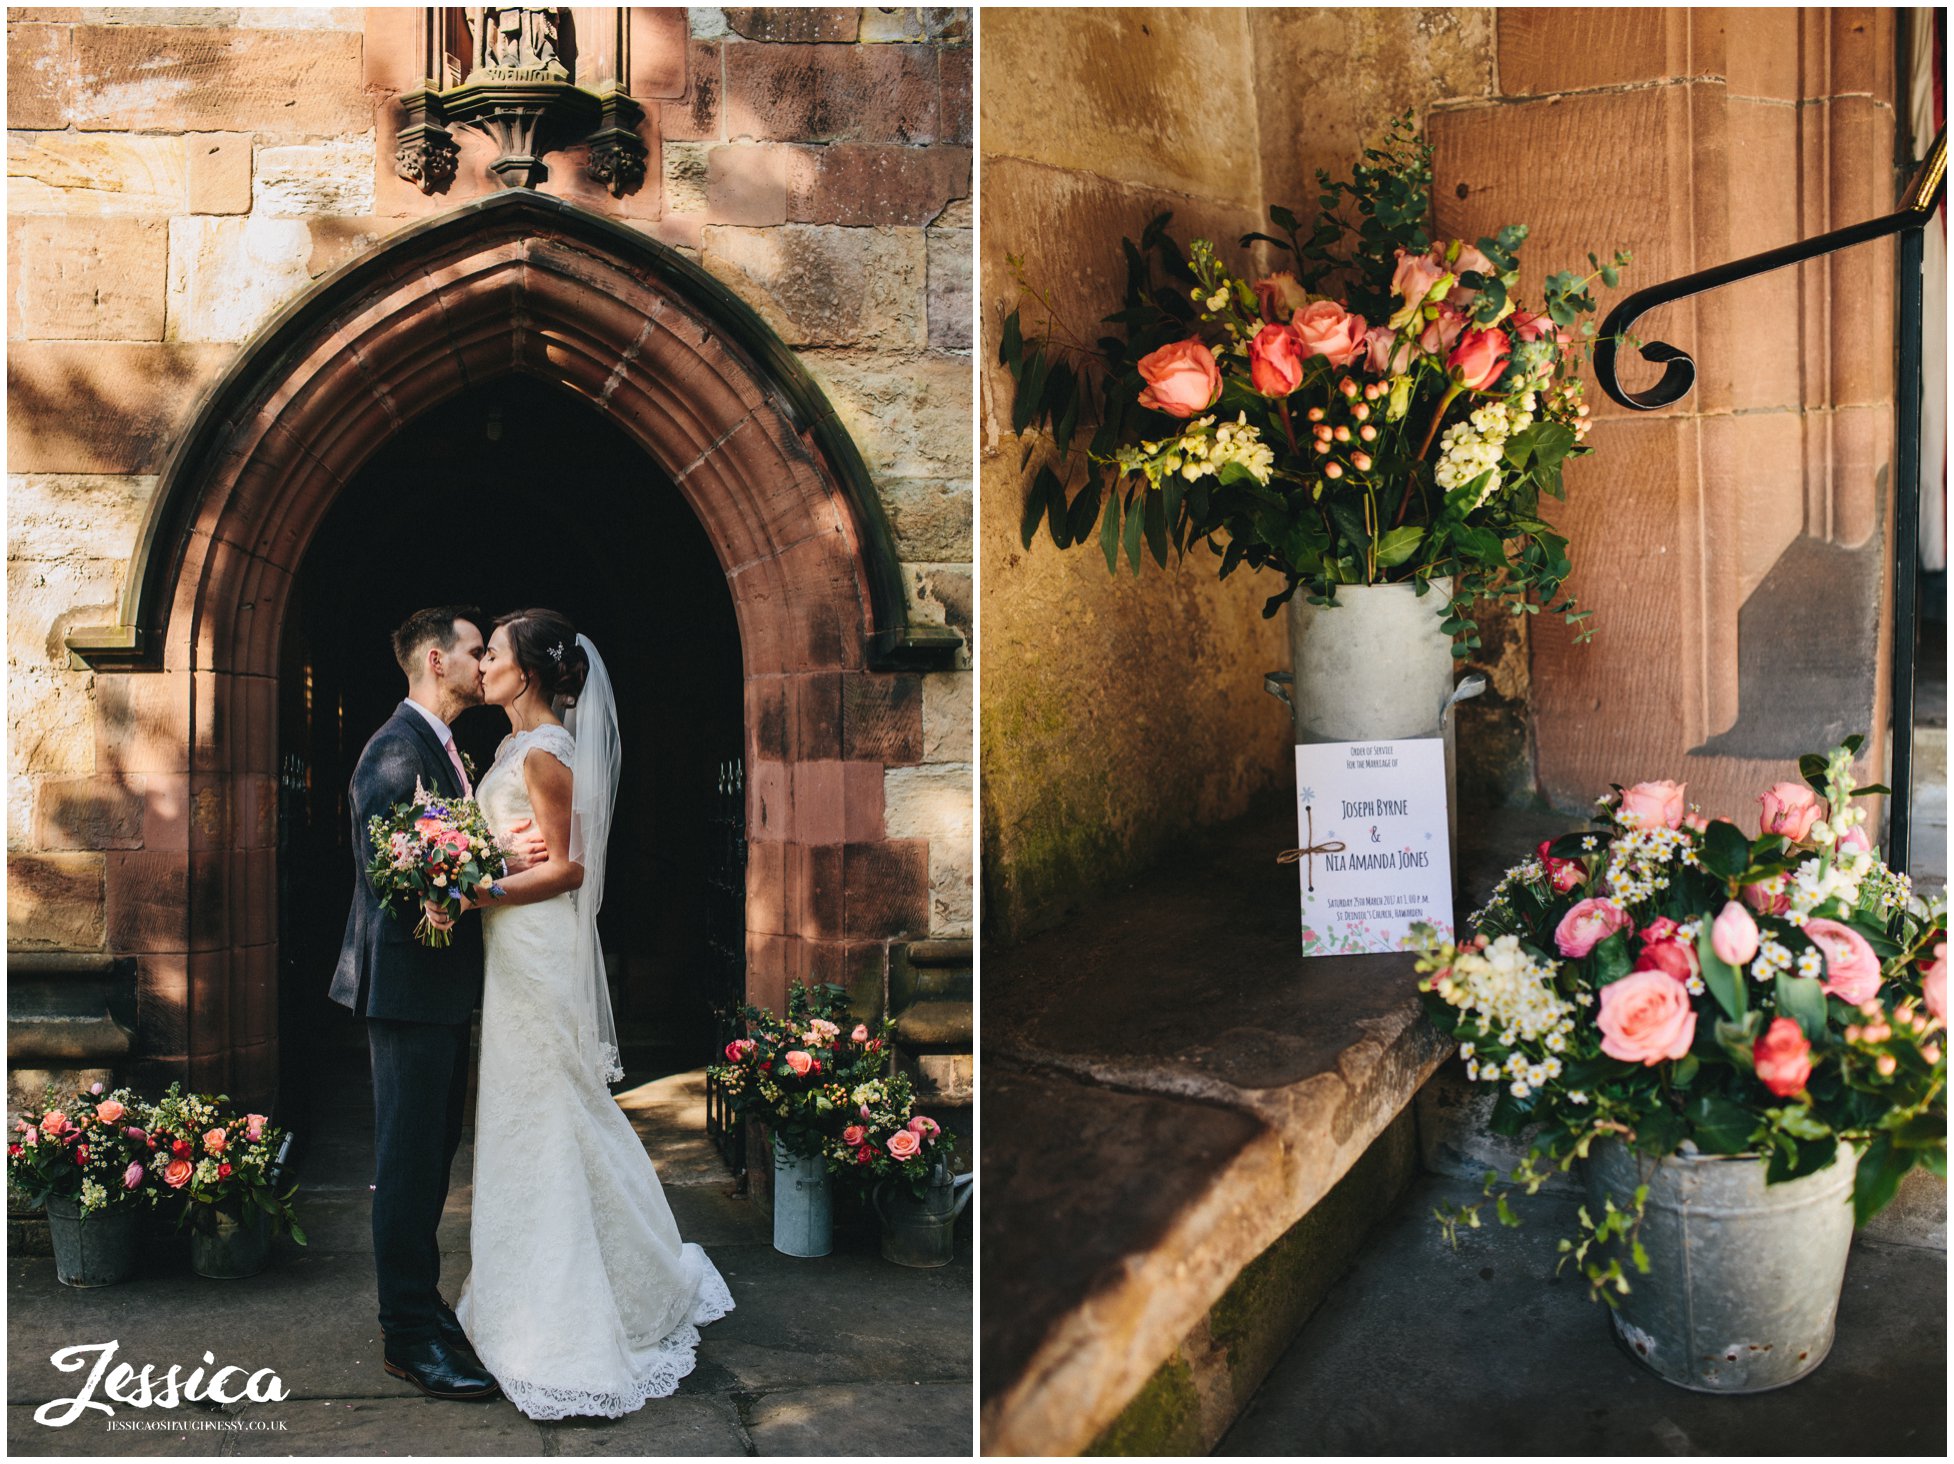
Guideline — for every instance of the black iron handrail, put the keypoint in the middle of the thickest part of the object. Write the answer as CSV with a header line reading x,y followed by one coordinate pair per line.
x,y
1922,196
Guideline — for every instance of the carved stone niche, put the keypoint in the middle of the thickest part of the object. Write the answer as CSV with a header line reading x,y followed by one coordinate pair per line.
x,y
534,79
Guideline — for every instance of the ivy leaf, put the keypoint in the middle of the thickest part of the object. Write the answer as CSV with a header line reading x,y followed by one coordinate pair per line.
x,y
1718,1125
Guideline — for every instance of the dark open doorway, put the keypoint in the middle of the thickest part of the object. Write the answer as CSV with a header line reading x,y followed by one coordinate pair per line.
x,y
514,494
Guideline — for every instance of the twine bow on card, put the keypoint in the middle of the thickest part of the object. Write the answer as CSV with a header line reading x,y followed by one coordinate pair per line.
x,y
1310,849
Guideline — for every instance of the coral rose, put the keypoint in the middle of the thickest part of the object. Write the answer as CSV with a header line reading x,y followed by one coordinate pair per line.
x,y
904,1145
1653,805
1734,935
1181,378
1584,927
1851,968
1783,1058
215,1141
54,1123
1281,296
1933,983
799,1061
1275,361
853,1135
1469,259
178,1172
1790,809
108,1110
1326,329
1645,1017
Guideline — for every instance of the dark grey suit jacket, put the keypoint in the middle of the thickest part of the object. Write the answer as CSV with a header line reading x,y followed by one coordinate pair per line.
x,y
383,971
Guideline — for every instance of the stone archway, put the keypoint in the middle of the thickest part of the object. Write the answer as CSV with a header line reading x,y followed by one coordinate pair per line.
x,y
514,283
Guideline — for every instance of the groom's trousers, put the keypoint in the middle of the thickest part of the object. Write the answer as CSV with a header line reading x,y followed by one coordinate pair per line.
x,y
420,1087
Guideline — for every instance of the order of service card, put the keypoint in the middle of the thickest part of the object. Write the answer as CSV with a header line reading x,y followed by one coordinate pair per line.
x,y
1372,852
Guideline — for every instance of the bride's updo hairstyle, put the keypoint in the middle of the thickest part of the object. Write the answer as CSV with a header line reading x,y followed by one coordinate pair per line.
x,y
547,652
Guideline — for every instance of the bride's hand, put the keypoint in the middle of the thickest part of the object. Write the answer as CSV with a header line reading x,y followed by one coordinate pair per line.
x,y
527,851
438,916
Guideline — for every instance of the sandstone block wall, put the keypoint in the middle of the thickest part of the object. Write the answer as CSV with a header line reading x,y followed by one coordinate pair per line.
x,y
177,176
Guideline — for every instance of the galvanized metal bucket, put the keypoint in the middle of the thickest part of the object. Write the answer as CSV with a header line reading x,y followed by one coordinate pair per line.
x,y
803,1206
1375,666
1744,1290
922,1232
228,1245
93,1250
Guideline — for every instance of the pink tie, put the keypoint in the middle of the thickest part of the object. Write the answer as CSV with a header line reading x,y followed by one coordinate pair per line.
x,y
460,772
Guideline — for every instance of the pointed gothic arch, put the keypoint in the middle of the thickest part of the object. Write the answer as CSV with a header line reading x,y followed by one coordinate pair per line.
x,y
521,283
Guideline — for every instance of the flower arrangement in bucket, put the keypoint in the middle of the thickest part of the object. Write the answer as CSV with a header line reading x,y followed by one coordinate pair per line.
x,y
228,1170
1720,1026
83,1157
906,1162
1383,411
795,1073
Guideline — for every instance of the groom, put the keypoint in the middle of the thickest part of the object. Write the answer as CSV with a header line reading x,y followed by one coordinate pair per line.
x,y
418,1002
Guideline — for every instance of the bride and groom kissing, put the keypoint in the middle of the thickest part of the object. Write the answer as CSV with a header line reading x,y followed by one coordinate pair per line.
x,y
581,1298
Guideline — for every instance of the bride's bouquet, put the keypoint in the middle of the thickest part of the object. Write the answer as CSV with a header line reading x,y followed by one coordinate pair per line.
x,y
431,851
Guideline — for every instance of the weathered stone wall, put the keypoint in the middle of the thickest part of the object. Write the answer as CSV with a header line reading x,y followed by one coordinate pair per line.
x,y
1734,548
1120,713
177,176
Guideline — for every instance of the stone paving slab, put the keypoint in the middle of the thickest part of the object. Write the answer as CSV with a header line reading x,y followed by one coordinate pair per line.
x,y
1170,1087
1502,1357
912,1420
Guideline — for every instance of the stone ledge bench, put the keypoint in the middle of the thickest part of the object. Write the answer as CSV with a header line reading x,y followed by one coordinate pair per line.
x,y
1189,1129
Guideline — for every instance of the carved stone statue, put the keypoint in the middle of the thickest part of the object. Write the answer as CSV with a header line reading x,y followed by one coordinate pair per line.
x,y
516,38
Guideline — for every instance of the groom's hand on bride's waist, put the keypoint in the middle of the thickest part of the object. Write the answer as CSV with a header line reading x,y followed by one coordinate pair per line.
x,y
525,847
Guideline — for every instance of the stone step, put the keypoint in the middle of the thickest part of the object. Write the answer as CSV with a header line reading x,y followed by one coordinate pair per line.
x,y
1189,1131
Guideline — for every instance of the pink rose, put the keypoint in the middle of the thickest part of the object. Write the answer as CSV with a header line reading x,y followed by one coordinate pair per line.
x,y
1760,899
1734,935
1789,809
1414,277
1281,296
132,1176
108,1110
1563,874
1851,968
1181,378
1326,329
904,1145
860,1034
924,1128
1530,327
214,1141
177,1174
1469,258
1652,805
1783,1058
1275,361
1645,1017
30,1136
96,1089
1390,353
1933,983
853,1135
799,1061
254,1127
1584,927
1854,841
1478,359
1440,336
1673,958
1660,928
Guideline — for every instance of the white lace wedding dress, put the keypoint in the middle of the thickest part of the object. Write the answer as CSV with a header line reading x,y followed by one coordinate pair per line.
x,y
581,1298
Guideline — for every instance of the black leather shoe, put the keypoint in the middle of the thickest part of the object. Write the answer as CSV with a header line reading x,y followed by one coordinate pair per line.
x,y
451,1333
441,1371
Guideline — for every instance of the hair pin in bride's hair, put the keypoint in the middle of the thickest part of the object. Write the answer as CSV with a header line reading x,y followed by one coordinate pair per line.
x,y
556,653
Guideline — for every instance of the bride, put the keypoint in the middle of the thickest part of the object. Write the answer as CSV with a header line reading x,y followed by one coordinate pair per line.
x,y
581,1298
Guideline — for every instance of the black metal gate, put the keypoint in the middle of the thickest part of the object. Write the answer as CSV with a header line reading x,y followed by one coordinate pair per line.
x,y
726,950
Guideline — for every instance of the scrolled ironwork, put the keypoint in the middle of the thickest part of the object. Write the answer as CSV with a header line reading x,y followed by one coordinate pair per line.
x,y
1679,369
